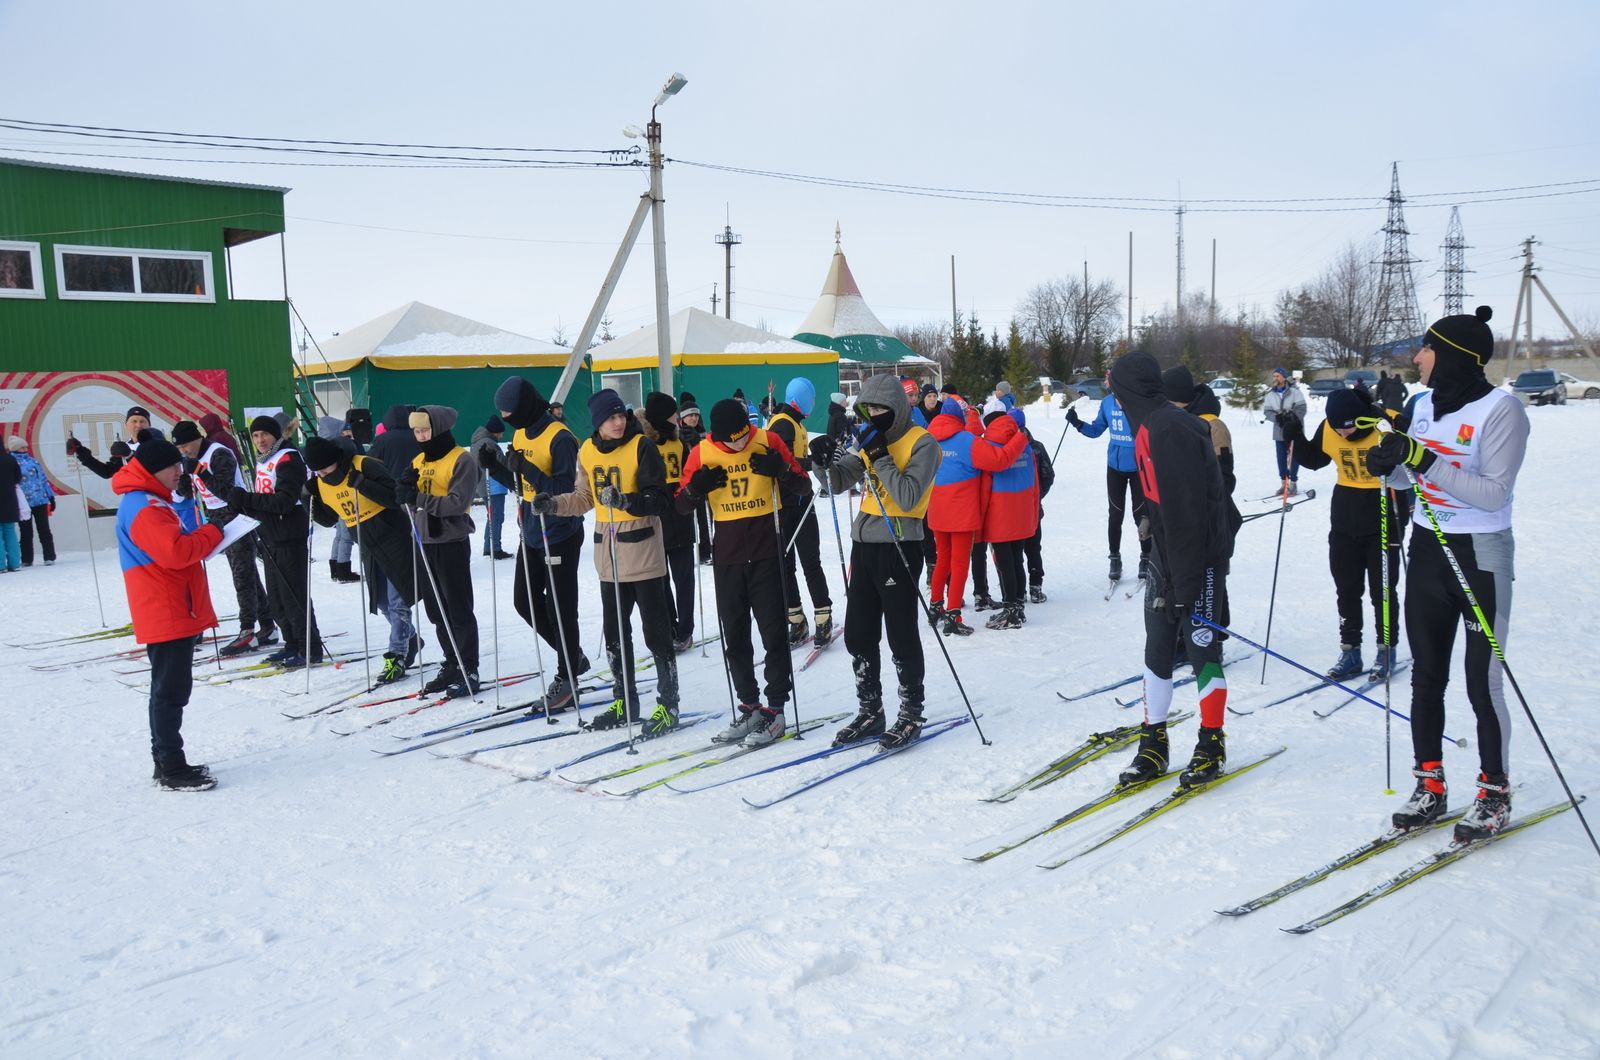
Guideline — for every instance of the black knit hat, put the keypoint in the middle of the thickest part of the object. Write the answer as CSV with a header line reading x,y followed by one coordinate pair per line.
x,y
520,402
1463,335
320,453
137,410
157,455
495,425
686,399
1343,406
269,424
185,431
728,418
1178,384
659,408
604,405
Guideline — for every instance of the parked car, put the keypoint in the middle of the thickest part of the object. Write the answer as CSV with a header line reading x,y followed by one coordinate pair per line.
x,y
1579,388
1361,375
1323,387
1222,384
1540,386
1093,389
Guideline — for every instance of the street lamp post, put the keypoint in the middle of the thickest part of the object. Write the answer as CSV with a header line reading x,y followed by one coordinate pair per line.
x,y
658,228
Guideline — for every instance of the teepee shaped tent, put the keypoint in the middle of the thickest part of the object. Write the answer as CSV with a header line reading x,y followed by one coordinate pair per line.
x,y
842,321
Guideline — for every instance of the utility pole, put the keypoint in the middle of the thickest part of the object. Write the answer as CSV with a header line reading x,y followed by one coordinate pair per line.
x,y
1399,321
1213,318
727,239
955,314
713,298
1181,209
1455,265
1530,280
1130,290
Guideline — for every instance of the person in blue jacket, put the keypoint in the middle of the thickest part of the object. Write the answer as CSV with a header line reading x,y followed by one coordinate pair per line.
x,y
1122,477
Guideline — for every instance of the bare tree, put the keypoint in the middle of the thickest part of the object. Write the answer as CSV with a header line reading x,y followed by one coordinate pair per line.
x,y
1073,324
930,339
1340,304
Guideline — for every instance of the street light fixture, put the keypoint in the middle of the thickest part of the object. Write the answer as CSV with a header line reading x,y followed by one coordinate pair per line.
x,y
673,86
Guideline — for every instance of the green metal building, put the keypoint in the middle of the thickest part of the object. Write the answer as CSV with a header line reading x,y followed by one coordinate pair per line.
x,y
108,272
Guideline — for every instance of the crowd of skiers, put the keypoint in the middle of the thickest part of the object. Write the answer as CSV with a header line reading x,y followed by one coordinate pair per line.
x,y
945,484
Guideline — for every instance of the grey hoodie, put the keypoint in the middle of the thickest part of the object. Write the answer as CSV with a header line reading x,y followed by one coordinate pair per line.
x,y
447,518
906,488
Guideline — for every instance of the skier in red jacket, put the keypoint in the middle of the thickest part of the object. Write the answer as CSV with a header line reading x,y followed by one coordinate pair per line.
x,y
164,571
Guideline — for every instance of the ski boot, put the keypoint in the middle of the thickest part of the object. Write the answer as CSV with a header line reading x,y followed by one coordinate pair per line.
x,y
983,602
179,775
1428,802
907,727
936,613
1008,617
1036,593
770,727
1349,662
683,645
1210,755
1114,572
393,669
823,632
464,686
442,680
613,717
413,649
238,645
867,724
1150,761
748,718
267,634
953,626
557,696
277,657
1144,567
662,720
1490,812
1383,665
799,633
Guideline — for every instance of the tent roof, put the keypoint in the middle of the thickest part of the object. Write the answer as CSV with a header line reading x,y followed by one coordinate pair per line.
x,y
842,321
420,336
694,332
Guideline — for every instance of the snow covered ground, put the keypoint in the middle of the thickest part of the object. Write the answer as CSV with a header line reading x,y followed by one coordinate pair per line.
x,y
325,901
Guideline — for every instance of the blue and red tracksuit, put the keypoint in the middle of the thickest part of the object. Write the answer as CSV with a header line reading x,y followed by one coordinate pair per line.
x,y
955,512
162,565
1010,497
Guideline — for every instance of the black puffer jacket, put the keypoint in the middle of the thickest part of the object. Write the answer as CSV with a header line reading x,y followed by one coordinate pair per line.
x,y
396,446
386,538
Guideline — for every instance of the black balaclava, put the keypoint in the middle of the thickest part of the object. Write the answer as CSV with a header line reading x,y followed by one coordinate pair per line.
x,y
1462,346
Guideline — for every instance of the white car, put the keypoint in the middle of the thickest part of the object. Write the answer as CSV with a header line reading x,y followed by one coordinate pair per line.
x,y
1221,385
1578,388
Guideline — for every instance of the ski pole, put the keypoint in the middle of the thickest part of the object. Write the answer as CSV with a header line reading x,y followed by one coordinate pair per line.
x,y
366,646
526,563
783,583
494,596
1494,644
722,638
439,604
88,534
1324,678
838,537
310,529
700,588
871,479
1388,641
625,676
1272,597
563,651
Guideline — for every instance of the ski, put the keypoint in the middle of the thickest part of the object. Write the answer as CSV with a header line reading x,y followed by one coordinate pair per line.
x,y
535,706
1430,864
440,701
266,669
1095,745
733,751
820,648
456,733
1387,841
1180,682
1111,589
1113,686
1115,794
928,733
1171,800
1295,503
685,721
1138,587
1371,684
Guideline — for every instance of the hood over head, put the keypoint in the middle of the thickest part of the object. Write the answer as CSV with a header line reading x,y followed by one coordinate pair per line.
x,y
1205,402
885,390
330,427
519,402
1136,382
397,418
438,417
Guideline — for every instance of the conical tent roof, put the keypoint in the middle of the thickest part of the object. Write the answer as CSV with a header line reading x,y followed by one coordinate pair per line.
x,y
694,331
842,321
417,332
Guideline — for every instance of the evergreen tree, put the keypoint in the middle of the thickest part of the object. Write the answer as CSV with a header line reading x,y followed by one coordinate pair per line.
x,y
1024,378
969,371
1247,389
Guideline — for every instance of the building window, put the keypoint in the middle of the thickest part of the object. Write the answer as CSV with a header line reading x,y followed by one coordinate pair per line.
x,y
628,385
20,276
113,273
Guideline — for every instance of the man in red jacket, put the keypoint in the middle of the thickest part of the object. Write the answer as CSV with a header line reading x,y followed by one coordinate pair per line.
x,y
164,571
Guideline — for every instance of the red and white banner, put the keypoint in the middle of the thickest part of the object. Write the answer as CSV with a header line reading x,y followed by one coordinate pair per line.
x,y
45,407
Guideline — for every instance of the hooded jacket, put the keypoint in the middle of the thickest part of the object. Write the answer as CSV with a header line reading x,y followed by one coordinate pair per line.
x,y
529,417
1278,402
1180,477
397,447
446,517
908,487
677,528
481,439
1011,502
640,550
958,486
1119,451
10,481
163,568
386,540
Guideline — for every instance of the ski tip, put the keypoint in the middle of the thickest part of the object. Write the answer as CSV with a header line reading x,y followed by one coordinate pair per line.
x,y
1302,929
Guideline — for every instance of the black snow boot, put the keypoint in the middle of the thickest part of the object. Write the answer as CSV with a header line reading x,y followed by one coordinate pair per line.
x,y
1490,811
178,775
1210,755
907,727
867,724
1150,761
983,602
1427,802
1114,573
953,626
1036,593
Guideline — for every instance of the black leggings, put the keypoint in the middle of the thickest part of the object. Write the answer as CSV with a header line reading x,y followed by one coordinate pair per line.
x,y
1008,562
1119,483
1356,562
1435,606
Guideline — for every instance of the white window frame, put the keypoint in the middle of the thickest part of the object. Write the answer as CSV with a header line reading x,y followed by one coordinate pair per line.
x,y
37,290
136,295
636,384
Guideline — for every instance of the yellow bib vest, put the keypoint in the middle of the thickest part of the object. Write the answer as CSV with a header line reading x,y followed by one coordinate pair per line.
x,y
352,507
537,451
747,494
433,476
801,441
672,455
619,468
1350,457
900,453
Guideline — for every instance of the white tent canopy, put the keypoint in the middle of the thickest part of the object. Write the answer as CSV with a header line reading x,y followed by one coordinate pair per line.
x,y
419,330
696,331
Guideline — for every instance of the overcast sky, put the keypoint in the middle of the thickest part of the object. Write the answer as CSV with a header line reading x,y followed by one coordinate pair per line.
x,y
1147,100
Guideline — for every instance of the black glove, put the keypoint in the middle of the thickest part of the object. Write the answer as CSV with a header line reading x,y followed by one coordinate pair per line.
x,y
1179,610
121,449
410,477
1396,449
1072,418
354,479
612,497
706,479
489,455
238,498
186,486
769,464
543,504
1291,424
823,450
875,447
405,491
73,445
52,506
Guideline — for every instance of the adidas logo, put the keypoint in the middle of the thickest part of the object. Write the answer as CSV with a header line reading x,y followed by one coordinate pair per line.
x,y
888,583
